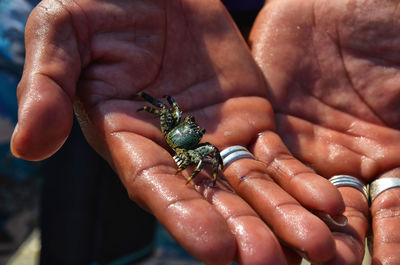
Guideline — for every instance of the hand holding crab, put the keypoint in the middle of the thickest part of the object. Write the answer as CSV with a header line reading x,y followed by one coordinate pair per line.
x,y
183,137
187,48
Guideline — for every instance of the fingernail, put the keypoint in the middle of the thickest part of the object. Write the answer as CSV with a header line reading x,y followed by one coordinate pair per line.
x,y
335,221
12,149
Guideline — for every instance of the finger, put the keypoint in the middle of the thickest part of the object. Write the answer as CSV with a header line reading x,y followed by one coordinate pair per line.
x,y
311,190
256,243
385,211
350,240
293,224
47,87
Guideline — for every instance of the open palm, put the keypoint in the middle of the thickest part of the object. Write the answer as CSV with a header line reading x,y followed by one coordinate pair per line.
x,y
333,71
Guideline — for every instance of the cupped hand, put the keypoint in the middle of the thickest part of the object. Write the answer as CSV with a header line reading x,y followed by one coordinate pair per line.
x,y
95,56
333,73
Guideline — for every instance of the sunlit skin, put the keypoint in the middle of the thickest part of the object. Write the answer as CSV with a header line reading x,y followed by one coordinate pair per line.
x,y
96,55
332,69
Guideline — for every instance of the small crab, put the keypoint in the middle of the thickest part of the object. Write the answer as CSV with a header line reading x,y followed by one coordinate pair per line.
x,y
183,137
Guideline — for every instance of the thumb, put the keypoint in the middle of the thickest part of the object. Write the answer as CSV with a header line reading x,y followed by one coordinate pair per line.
x,y
47,88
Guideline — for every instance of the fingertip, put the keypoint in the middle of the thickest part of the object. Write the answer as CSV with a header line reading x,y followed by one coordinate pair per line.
x,y
202,232
26,146
348,251
318,244
322,250
257,245
44,123
322,196
36,145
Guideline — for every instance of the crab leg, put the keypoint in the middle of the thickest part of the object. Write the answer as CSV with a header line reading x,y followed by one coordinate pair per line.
x,y
152,100
196,171
177,113
150,109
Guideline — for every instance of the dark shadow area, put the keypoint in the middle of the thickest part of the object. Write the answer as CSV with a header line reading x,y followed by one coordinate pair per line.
x,y
86,213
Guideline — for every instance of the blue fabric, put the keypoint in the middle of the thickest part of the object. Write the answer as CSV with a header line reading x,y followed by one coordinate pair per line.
x,y
17,177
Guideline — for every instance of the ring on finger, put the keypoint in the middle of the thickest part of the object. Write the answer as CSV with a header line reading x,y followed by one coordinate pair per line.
x,y
233,153
380,185
350,181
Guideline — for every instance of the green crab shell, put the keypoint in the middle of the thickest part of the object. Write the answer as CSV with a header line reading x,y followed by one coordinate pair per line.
x,y
185,135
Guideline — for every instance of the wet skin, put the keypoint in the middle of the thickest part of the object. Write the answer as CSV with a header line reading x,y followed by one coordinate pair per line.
x,y
332,69
92,57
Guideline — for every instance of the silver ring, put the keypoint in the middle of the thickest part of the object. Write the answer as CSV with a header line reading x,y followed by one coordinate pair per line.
x,y
233,153
350,181
380,185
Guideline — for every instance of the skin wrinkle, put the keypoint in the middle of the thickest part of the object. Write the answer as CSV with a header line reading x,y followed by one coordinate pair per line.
x,y
356,247
278,157
43,74
97,98
339,46
155,170
352,212
342,59
250,176
40,33
152,178
277,166
324,124
391,212
396,9
278,207
321,123
127,42
176,204
191,97
368,166
114,128
358,139
372,162
84,52
189,88
234,218
163,53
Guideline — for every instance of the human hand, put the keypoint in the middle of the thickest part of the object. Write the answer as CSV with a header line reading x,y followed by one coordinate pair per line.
x,y
332,71
98,55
